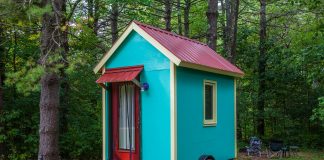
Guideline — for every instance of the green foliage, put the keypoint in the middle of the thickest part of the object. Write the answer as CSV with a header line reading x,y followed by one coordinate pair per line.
x,y
27,79
294,71
318,112
37,12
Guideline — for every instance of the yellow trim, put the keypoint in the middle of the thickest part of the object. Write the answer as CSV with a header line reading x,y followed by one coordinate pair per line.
x,y
173,110
208,69
146,36
103,121
212,122
235,118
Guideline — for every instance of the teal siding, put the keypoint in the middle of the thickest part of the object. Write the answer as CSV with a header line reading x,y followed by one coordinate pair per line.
x,y
193,138
155,103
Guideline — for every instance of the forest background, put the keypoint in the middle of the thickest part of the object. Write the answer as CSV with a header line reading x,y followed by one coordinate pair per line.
x,y
49,48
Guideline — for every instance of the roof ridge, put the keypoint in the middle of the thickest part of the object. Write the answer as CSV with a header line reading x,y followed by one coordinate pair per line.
x,y
168,32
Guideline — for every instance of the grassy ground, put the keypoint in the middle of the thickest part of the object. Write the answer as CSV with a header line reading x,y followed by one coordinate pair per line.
x,y
303,155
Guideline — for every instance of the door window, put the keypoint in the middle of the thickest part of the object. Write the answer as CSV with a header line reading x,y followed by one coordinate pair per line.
x,y
126,117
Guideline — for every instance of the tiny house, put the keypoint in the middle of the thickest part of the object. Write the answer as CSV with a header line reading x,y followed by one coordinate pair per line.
x,y
166,97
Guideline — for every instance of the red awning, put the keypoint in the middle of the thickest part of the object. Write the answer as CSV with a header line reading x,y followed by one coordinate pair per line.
x,y
123,74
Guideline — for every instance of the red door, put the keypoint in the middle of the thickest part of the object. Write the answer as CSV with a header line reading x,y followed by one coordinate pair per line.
x,y
125,125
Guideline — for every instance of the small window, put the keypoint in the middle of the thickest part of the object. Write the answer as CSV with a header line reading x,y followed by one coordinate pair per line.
x,y
210,103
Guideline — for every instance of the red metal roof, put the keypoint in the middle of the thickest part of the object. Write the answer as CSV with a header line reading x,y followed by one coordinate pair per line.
x,y
188,50
122,74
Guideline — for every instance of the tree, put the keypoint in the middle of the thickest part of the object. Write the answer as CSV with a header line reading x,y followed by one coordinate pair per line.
x,y
262,68
53,41
186,23
212,14
230,29
2,50
179,17
167,14
114,21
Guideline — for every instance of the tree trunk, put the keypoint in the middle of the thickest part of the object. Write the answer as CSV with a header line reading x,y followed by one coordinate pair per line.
x,y
96,17
167,14
90,12
179,18
261,69
186,12
114,22
223,25
233,30
230,9
228,26
65,87
93,15
49,119
1,80
212,14
52,45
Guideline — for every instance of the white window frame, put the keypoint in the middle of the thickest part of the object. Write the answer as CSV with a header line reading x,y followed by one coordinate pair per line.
x,y
213,121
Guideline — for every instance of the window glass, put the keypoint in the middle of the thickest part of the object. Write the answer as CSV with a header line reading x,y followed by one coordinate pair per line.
x,y
209,103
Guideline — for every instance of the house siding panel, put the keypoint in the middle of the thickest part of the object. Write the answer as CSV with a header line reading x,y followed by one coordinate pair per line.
x,y
193,139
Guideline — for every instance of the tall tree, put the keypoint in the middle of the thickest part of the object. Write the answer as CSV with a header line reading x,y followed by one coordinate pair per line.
x,y
186,11
167,14
52,50
230,29
262,68
2,50
233,30
179,17
114,21
93,14
212,14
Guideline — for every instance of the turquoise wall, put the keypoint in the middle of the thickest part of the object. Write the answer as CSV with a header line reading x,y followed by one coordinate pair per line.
x,y
193,139
155,103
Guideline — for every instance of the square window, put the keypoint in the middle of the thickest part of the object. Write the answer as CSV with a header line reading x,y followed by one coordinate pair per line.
x,y
210,103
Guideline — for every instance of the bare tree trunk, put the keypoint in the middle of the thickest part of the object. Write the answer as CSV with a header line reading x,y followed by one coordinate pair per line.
x,y
230,9
179,17
186,12
233,30
262,67
52,45
212,14
167,14
114,22
228,26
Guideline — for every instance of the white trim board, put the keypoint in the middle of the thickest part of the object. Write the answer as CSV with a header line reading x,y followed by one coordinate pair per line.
x,y
173,111
104,145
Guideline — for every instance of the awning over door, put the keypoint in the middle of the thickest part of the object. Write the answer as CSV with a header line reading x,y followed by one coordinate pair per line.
x,y
123,74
